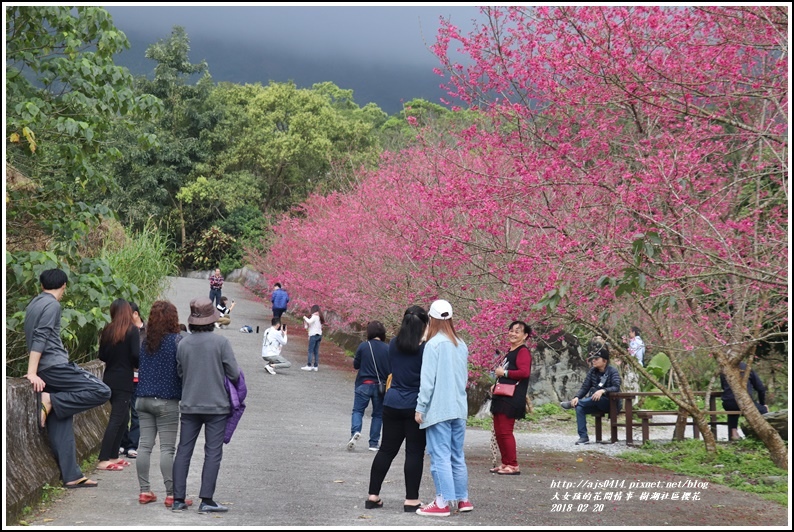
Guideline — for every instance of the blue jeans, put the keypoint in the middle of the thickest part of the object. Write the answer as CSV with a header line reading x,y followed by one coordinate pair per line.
x,y
447,463
365,392
314,349
588,406
215,296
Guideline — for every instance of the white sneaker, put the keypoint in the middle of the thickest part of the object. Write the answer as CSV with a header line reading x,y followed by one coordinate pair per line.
x,y
307,368
352,442
315,368
374,449
270,369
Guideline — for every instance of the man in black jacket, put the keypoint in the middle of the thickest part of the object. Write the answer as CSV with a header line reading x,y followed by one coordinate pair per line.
x,y
601,380
729,400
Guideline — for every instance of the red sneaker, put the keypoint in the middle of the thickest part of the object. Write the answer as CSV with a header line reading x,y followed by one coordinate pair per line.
x,y
434,510
465,506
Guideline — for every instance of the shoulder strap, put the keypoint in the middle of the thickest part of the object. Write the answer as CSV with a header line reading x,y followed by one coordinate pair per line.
x,y
377,373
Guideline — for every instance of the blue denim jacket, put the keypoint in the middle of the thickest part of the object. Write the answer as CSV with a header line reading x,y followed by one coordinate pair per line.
x,y
442,390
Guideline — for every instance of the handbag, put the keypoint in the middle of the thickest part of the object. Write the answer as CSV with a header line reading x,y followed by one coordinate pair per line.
x,y
505,389
381,385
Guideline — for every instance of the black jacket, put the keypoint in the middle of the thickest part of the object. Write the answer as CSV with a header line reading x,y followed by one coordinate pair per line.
x,y
609,381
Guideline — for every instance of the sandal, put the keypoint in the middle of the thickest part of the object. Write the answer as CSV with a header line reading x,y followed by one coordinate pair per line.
x,y
111,467
509,470
369,505
123,463
82,483
497,468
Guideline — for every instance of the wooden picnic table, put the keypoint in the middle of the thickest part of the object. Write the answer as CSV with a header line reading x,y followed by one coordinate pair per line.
x,y
628,399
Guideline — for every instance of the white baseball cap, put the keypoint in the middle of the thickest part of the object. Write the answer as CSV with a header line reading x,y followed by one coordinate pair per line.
x,y
440,310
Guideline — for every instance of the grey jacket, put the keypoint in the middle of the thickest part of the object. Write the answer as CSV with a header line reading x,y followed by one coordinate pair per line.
x,y
203,359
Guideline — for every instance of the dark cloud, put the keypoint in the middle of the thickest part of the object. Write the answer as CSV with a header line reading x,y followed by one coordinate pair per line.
x,y
394,32
382,52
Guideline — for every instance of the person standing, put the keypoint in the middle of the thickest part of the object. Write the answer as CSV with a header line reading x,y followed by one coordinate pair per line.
x,y
314,324
399,407
729,400
601,380
159,391
636,345
274,339
372,362
203,360
62,388
442,409
119,349
216,286
132,435
516,370
279,299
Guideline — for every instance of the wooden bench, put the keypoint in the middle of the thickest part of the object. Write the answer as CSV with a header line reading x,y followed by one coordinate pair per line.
x,y
628,413
646,417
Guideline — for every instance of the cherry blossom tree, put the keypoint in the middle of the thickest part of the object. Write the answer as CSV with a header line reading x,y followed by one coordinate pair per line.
x,y
633,167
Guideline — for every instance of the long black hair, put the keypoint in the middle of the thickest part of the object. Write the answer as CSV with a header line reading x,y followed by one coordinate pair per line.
x,y
412,329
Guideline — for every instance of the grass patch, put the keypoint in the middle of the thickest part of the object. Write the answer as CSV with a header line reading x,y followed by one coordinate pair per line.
x,y
743,465
485,423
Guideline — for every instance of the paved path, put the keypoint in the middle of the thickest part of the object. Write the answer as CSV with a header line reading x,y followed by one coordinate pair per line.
x,y
287,465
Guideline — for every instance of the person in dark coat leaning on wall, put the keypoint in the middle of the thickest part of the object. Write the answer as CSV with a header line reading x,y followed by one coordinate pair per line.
x,y
62,388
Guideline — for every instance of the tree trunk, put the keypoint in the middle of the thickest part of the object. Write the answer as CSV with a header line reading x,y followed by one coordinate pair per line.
x,y
182,224
766,433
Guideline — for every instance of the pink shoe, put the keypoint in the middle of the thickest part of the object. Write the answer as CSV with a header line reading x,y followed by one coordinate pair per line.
x,y
465,506
434,510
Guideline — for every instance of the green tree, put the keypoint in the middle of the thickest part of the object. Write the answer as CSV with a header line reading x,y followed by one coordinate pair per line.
x,y
64,94
295,141
151,178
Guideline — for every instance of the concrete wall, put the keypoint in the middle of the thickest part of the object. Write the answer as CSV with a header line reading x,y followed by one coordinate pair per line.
x,y
30,464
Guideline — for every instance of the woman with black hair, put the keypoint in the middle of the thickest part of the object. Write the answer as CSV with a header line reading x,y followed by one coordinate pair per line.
x,y
515,369
372,362
399,404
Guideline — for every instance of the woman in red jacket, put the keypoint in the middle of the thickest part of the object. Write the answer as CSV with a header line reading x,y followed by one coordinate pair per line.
x,y
515,369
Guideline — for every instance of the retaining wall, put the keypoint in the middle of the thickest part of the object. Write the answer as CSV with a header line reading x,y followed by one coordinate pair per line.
x,y
30,464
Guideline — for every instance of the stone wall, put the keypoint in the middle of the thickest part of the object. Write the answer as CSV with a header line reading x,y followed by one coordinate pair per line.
x,y
30,464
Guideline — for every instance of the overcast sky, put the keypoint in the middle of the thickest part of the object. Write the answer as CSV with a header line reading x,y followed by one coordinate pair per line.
x,y
394,33
381,52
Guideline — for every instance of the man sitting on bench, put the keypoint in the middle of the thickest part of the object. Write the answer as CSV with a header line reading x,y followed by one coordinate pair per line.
x,y
601,380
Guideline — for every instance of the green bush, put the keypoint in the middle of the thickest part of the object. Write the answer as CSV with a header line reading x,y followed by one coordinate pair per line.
x,y
134,271
145,261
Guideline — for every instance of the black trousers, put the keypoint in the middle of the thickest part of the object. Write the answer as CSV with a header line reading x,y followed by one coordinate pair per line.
x,y
189,429
733,419
117,424
72,390
399,425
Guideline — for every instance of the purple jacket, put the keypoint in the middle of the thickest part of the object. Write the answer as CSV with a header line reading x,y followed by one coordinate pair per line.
x,y
237,392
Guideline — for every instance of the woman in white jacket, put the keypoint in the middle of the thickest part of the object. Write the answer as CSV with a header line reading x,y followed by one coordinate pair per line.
x,y
315,326
274,339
